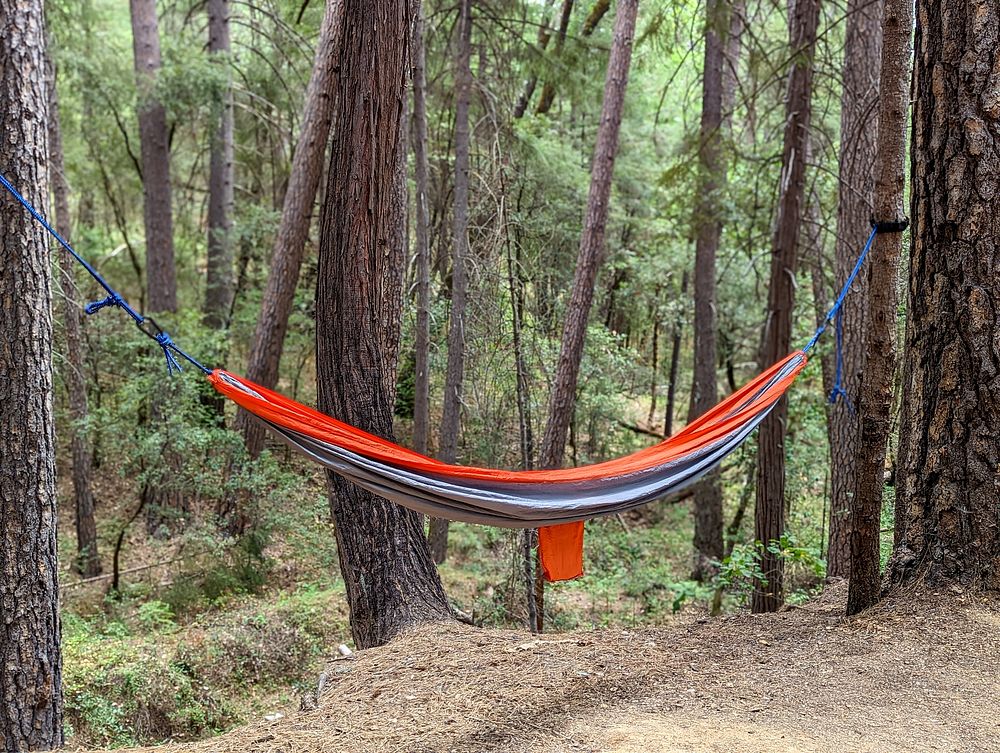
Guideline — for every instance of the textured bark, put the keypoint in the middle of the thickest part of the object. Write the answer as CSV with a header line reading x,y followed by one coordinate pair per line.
x,y
296,214
544,37
675,362
769,516
31,703
592,240
597,12
219,276
708,223
88,563
948,481
161,279
455,371
548,89
422,252
654,379
731,64
879,364
384,558
862,52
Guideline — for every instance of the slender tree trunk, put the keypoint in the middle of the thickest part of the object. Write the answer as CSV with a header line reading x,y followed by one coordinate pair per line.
x,y
455,372
421,174
31,703
708,221
219,278
731,61
950,433
548,89
592,241
384,558
163,505
675,362
597,12
862,51
654,380
161,280
296,215
769,517
88,563
879,365
544,35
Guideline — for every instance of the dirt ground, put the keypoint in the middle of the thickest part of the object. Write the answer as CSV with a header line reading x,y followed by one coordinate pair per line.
x,y
918,673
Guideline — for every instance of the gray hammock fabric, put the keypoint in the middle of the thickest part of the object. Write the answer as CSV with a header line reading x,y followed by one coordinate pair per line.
x,y
528,499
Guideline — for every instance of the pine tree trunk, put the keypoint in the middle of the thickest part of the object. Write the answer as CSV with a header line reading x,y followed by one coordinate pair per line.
x,y
731,62
31,703
862,52
384,558
591,242
548,95
544,36
879,365
455,372
421,179
675,362
296,215
219,277
88,563
164,506
708,222
949,452
769,517
161,280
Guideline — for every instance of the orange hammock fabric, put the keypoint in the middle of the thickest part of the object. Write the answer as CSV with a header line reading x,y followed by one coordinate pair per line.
x,y
555,501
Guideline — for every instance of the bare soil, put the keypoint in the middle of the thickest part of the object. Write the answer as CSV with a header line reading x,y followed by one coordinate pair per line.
x,y
918,673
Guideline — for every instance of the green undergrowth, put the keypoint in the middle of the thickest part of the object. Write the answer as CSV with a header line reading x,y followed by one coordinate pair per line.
x,y
137,675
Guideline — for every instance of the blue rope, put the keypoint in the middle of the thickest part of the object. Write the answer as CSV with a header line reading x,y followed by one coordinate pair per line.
x,y
113,298
834,315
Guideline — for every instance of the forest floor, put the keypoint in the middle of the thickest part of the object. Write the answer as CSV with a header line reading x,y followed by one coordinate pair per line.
x,y
921,672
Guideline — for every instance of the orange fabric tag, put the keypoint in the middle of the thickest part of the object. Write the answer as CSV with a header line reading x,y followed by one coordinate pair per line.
x,y
561,550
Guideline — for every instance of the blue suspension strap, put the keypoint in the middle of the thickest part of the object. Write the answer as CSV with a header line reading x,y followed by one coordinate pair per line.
x,y
834,314
146,324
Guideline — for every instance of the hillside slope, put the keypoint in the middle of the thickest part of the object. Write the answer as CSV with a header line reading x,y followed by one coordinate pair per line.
x,y
919,673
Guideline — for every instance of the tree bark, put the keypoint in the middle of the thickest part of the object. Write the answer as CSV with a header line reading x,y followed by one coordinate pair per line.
x,y
293,228
219,277
675,362
708,545
161,280
544,36
769,516
597,12
879,365
862,51
31,702
163,505
88,563
548,89
384,558
455,371
421,179
591,242
950,433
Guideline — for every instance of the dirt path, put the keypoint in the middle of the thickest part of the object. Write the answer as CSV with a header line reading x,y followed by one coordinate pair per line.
x,y
919,674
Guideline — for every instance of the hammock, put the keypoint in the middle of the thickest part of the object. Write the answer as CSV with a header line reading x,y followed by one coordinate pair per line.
x,y
555,501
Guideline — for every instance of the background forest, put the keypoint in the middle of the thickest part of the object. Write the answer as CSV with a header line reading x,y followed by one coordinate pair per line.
x,y
203,585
